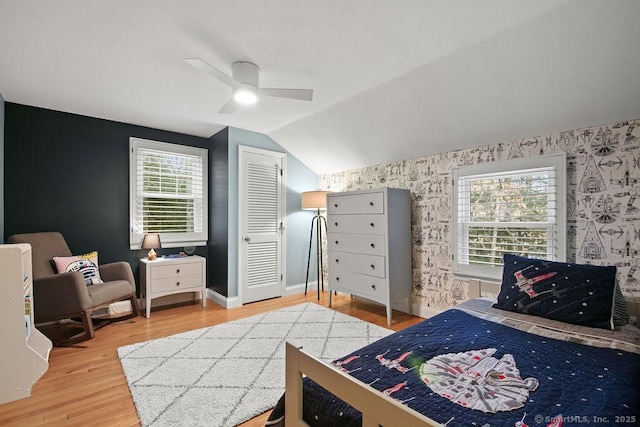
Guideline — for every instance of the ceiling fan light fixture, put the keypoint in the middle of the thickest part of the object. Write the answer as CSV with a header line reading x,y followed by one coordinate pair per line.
x,y
245,95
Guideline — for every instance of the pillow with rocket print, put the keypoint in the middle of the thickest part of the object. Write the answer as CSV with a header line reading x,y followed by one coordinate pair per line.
x,y
572,293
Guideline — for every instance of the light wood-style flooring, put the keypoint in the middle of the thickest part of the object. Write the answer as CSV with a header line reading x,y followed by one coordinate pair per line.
x,y
85,385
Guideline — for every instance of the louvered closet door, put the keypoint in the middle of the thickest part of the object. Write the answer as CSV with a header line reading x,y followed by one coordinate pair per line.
x,y
261,224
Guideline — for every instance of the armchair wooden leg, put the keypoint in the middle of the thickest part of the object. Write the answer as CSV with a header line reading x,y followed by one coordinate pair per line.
x,y
87,322
135,306
60,335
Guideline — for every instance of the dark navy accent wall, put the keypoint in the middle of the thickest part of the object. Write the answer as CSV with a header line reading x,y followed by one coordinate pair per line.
x,y
1,169
70,173
218,271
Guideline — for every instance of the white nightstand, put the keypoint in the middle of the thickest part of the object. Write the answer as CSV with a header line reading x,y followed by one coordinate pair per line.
x,y
168,276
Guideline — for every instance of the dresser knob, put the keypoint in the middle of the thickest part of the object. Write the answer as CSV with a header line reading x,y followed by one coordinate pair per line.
x,y
177,283
337,260
335,223
336,242
373,245
373,287
370,203
178,271
372,224
373,267
335,205
337,279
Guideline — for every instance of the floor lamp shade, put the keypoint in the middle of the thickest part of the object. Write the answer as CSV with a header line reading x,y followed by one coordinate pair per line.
x,y
314,200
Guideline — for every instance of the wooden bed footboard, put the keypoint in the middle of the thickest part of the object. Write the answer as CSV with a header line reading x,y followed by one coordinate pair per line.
x,y
376,408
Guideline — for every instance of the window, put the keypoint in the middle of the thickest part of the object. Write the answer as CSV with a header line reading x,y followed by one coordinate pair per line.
x,y
168,193
516,206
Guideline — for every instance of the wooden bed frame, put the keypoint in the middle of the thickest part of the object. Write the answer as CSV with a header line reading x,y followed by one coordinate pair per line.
x,y
376,408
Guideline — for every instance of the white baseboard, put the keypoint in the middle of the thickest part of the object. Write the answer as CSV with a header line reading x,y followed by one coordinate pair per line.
x,y
233,302
299,289
422,311
221,300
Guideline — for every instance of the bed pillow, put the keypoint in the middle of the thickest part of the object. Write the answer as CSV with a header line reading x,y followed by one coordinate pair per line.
x,y
620,313
571,293
87,264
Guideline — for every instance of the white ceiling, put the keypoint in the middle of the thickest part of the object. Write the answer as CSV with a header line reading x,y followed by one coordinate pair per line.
x,y
392,80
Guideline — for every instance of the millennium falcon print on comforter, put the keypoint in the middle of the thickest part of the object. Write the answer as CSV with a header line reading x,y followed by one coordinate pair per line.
x,y
461,369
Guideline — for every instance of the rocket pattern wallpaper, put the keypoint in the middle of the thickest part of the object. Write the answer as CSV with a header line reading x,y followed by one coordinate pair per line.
x,y
603,210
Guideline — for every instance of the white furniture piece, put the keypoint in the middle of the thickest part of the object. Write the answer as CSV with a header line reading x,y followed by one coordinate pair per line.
x,y
24,350
168,276
369,244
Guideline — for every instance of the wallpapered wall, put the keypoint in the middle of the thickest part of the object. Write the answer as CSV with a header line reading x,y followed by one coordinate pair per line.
x,y
603,211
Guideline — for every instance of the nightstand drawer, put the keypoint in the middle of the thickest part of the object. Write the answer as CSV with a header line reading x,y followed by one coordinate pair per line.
x,y
176,270
182,282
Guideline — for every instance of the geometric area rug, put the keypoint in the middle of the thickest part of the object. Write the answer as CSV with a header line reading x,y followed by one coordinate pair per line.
x,y
226,374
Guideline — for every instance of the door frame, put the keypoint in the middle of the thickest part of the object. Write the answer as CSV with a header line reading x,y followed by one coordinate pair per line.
x,y
242,151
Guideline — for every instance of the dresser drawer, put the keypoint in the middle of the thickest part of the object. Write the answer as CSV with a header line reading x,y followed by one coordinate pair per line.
x,y
371,265
372,244
182,282
370,287
356,203
176,270
359,224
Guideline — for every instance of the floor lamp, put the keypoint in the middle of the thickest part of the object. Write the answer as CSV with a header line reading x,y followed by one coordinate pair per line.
x,y
316,201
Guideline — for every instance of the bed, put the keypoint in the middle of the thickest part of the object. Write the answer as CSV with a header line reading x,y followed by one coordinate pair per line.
x,y
473,365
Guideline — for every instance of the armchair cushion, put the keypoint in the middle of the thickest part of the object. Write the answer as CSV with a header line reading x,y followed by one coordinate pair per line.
x,y
108,292
87,264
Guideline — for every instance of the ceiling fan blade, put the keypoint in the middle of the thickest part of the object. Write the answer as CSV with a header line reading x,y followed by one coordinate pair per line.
x,y
301,94
229,107
210,69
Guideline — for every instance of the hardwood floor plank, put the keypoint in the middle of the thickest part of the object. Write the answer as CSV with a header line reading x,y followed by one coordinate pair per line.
x,y
85,384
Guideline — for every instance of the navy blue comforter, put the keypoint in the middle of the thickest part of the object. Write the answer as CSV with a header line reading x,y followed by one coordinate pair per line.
x,y
580,383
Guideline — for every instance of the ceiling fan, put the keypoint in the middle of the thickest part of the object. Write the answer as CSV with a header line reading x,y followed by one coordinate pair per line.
x,y
245,83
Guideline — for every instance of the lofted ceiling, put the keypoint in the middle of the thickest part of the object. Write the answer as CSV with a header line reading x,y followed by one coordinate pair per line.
x,y
392,80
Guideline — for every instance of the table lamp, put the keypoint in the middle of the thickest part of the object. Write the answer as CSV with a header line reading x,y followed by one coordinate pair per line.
x,y
151,241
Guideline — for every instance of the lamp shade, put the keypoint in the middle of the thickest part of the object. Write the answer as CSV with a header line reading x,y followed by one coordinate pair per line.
x,y
314,199
151,241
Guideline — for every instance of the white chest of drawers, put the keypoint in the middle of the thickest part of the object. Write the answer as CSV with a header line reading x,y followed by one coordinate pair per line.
x,y
369,246
168,276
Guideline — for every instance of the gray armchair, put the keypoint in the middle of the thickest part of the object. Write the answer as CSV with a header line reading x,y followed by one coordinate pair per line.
x,y
66,295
